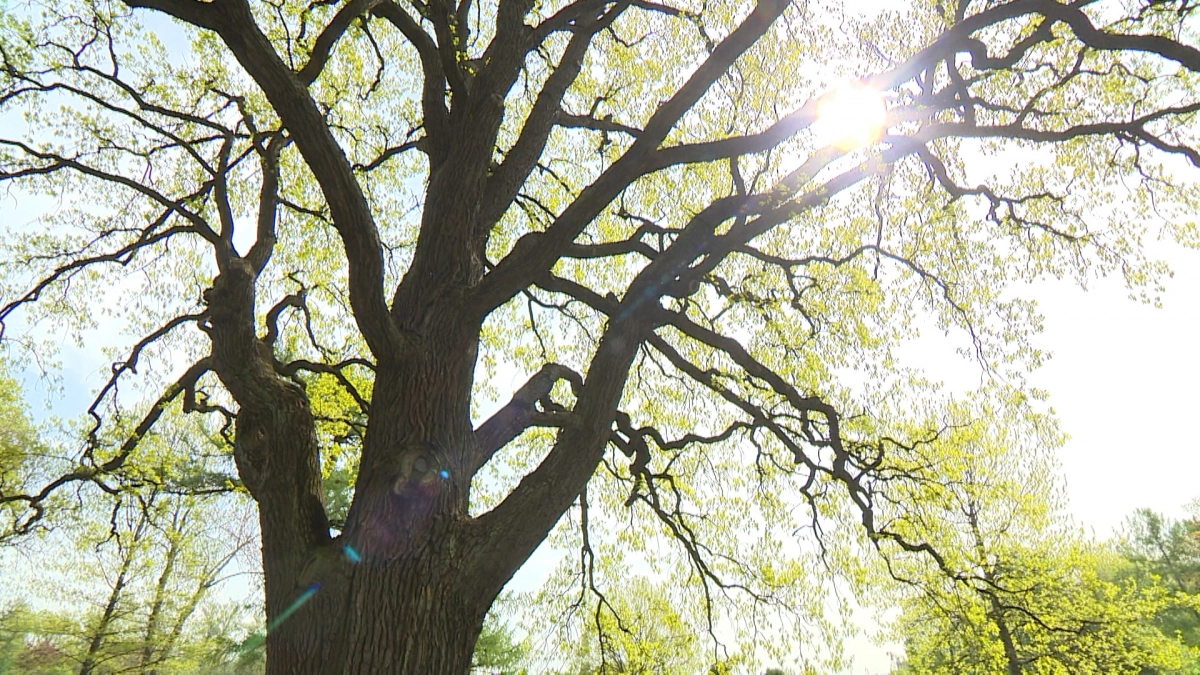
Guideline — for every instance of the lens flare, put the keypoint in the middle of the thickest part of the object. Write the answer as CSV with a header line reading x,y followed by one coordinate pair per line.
x,y
850,117
257,641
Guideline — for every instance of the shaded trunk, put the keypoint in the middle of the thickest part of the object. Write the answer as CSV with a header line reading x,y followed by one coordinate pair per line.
x,y
394,592
407,616
390,595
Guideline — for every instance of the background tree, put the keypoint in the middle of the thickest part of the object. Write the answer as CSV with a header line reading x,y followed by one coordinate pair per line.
x,y
30,641
124,578
497,651
1051,611
22,453
627,202
1050,604
137,595
1014,586
1156,550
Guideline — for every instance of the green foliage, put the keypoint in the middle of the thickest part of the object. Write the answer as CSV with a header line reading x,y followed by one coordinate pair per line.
x,y
1055,603
22,454
1013,586
32,641
497,652
137,597
1059,616
1157,551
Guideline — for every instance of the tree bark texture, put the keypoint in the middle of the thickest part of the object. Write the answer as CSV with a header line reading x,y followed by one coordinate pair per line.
x,y
394,592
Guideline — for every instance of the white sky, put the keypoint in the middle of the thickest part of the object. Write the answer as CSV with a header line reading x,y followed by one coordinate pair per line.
x,y
1123,380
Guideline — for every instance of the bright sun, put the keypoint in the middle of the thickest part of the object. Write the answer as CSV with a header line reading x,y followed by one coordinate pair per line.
x,y
850,117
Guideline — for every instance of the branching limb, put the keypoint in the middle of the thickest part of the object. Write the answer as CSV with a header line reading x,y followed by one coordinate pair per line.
x,y
506,535
268,206
325,42
393,151
504,185
128,365
569,120
536,253
336,370
1133,129
295,300
352,216
56,162
36,502
64,272
520,412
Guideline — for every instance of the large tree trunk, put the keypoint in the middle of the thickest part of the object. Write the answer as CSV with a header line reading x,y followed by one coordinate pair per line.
x,y
395,592
405,587
414,615
391,595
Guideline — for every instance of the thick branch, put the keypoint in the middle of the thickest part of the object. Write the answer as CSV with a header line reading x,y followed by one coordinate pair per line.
x,y
268,206
519,413
503,186
509,533
289,97
325,42
535,253
1132,129
1184,55
448,47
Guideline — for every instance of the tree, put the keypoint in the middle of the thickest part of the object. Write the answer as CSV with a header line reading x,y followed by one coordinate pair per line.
x,y
497,651
1014,586
18,653
21,450
625,201
1158,550
136,592
135,597
1051,611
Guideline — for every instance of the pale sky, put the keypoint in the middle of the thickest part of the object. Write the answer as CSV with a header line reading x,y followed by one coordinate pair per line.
x,y
1123,380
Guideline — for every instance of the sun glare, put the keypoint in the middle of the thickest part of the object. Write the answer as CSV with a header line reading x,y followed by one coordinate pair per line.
x,y
850,117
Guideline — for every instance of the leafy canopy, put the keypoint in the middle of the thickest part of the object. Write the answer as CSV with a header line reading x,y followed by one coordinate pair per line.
x,y
337,230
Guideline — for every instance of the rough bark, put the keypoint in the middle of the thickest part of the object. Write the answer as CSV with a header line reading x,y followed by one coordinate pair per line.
x,y
399,568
